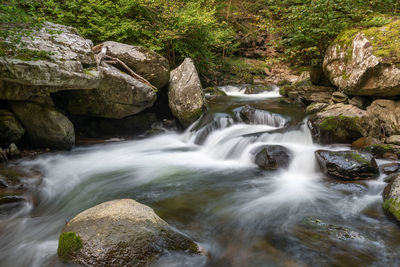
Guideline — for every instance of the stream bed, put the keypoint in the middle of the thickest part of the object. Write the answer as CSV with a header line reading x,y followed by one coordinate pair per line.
x,y
204,183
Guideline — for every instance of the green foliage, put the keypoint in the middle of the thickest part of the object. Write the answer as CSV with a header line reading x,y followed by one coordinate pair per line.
x,y
309,26
68,243
176,29
244,70
206,31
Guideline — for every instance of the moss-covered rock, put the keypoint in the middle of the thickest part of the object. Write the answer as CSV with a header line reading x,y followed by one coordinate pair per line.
x,y
391,197
11,131
365,61
347,165
380,150
315,107
119,233
50,59
338,123
68,243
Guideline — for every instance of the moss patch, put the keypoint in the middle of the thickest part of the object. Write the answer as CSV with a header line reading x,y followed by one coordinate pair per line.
x,y
332,123
385,41
392,206
357,157
68,243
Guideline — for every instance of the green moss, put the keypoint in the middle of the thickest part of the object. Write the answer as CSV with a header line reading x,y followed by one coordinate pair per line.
x,y
332,123
88,72
345,76
329,123
385,41
244,69
392,206
32,55
68,243
357,157
383,146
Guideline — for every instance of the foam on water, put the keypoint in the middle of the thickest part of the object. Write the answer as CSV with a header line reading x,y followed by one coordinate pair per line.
x,y
240,91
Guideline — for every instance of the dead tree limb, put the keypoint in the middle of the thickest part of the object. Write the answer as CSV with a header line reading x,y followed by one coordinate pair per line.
x,y
129,70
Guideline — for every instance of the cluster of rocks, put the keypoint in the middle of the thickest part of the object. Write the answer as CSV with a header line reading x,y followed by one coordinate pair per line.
x,y
56,83
354,98
355,93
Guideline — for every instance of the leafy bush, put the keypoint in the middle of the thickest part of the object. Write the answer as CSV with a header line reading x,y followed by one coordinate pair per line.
x,y
176,29
309,26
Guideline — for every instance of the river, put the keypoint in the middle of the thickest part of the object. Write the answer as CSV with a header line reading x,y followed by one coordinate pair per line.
x,y
204,183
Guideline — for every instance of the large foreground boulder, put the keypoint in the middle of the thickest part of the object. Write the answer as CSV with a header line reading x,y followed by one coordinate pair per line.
x,y
347,165
365,62
11,131
185,95
272,157
119,95
141,60
45,126
50,59
391,197
119,233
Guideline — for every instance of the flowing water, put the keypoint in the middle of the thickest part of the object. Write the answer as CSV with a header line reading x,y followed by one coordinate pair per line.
x,y
203,182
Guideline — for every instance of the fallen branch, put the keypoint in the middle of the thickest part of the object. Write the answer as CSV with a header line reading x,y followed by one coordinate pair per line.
x,y
100,56
115,61
97,48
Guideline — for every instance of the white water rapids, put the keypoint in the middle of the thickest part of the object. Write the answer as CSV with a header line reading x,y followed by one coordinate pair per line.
x,y
204,183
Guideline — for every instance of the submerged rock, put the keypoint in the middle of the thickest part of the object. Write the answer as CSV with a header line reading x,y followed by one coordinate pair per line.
x,y
250,115
119,233
141,60
45,126
347,165
11,131
365,61
390,168
391,197
272,157
17,187
185,95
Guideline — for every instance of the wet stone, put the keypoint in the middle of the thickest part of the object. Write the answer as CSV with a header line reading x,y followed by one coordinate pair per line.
x,y
390,168
347,165
272,157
